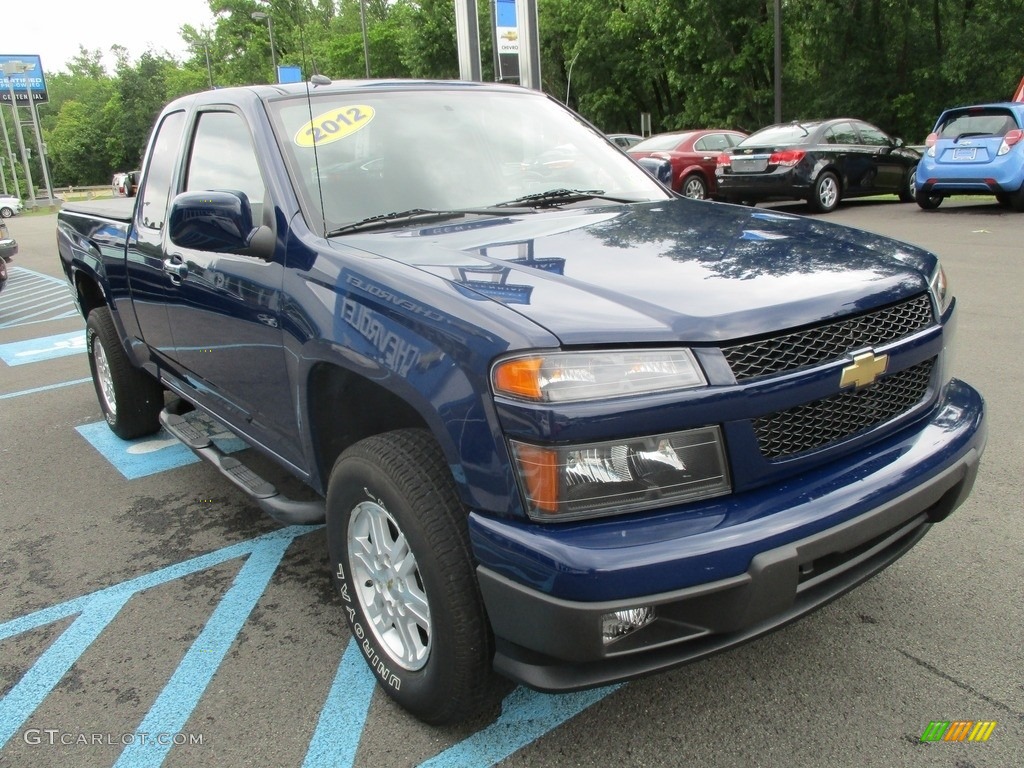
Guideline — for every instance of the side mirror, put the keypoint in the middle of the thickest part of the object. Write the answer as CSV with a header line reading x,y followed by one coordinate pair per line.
x,y
899,142
218,221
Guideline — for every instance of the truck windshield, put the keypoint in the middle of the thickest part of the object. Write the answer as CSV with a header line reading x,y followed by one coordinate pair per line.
x,y
358,154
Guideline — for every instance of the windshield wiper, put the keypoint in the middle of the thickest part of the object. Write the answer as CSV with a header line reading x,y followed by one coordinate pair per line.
x,y
559,196
969,134
385,219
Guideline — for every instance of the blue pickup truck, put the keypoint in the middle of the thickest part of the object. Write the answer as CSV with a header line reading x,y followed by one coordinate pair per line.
x,y
562,425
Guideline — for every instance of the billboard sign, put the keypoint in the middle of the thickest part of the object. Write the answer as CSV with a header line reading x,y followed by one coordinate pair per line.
x,y
507,42
25,74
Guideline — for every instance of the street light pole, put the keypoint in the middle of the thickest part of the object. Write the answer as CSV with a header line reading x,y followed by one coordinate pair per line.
x,y
568,79
778,61
260,16
10,154
209,69
366,40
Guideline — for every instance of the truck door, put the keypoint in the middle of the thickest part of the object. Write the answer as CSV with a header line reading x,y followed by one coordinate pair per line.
x,y
148,282
224,314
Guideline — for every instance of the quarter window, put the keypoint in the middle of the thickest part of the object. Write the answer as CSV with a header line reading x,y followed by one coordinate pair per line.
x,y
841,133
872,136
713,143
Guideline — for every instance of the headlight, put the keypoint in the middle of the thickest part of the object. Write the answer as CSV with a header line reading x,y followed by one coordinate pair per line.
x,y
573,376
939,289
570,482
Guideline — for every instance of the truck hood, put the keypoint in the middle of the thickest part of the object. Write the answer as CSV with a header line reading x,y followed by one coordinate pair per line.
x,y
674,271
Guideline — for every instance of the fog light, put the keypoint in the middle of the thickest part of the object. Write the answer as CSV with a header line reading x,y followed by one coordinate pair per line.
x,y
621,623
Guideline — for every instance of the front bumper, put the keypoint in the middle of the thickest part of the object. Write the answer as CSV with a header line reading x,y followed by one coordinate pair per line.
x,y
847,526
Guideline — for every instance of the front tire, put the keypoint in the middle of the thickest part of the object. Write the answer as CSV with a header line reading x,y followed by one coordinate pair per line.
x,y
908,192
131,400
6,212
400,553
825,194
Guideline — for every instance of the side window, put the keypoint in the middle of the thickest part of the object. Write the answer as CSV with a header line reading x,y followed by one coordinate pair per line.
x,y
842,133
712,143
162,159
222,157
872,136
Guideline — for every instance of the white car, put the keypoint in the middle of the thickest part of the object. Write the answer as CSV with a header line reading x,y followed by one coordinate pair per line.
x,y
9,205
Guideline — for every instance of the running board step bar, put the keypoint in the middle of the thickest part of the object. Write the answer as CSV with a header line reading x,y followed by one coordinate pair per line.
x,y
189,429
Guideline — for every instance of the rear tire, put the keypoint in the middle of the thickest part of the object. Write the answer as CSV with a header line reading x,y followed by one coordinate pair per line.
x,y
694,187
825,193
131,400
1017,200
928,202
401,560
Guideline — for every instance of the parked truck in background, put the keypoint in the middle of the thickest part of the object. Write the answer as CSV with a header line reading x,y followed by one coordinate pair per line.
x,y
561,423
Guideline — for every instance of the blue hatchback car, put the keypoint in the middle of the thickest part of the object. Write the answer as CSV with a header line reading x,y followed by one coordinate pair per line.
x,y
975,150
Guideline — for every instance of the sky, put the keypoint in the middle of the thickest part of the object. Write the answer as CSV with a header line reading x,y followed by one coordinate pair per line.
x,y
55,31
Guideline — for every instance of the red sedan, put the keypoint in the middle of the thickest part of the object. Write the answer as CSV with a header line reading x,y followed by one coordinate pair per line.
x,y
692,154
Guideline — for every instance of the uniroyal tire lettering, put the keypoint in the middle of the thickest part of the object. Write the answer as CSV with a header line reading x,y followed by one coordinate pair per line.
x,y
377,664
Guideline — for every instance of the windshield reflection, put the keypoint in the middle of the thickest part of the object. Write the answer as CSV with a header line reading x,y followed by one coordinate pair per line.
x,y
353,155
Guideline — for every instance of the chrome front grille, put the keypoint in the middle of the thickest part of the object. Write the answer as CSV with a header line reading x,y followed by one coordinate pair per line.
x,y
818,423
811,346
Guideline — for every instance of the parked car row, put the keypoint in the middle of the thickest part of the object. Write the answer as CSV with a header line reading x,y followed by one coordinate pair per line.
x,y
973,150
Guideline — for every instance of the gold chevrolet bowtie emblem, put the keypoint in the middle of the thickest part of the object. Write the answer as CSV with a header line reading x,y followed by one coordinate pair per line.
x,y
866,367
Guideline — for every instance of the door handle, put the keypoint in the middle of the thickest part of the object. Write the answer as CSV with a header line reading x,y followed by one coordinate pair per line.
x,y
176,268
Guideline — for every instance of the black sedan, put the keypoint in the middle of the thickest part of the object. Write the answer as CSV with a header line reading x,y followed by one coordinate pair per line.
x,y
821,161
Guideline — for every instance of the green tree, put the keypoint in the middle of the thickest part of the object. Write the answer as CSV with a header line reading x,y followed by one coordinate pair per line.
x,y
75,146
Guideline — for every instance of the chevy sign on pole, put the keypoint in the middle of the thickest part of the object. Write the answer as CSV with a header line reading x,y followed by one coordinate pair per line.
x,y
28,83
507,33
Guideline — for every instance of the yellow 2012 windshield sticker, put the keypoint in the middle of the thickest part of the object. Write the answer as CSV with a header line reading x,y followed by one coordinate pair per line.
x,y
334,125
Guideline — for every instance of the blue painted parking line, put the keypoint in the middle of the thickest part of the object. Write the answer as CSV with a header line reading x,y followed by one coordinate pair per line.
x,y
34,390
526,715
95,611
32,297
343,716
158,453
180,696
45,348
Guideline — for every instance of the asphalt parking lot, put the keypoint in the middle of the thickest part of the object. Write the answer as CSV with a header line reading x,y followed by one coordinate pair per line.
x,y
151,615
